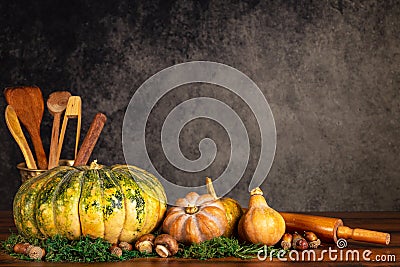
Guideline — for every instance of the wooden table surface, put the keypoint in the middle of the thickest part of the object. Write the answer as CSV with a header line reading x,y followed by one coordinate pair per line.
x,y
379,221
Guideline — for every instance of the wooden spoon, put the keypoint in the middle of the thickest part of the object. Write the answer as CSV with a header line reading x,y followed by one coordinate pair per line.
x,y
90,139
56,104
73,110
29,107
18,134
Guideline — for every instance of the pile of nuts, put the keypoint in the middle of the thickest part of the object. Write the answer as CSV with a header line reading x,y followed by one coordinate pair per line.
x,y
296,241
164,245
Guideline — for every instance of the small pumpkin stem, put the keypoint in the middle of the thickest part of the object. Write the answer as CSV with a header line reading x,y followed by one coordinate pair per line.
x,y
210,188
94,165
256,191
257,199
191,209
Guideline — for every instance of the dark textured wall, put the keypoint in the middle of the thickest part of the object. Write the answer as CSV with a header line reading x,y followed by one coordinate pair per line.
x,y
330,71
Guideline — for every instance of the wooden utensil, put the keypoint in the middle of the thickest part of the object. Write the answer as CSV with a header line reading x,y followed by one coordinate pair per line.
x,y
56,104
90,139
29,107
331,229
16,131
73,110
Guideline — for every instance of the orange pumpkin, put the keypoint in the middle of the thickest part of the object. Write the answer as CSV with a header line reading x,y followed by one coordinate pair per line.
x,y
195,218
260,223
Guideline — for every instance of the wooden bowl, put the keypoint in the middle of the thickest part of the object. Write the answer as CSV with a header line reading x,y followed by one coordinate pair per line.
x,y
29,173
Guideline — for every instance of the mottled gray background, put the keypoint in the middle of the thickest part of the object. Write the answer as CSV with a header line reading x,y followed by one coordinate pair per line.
x,y
330,71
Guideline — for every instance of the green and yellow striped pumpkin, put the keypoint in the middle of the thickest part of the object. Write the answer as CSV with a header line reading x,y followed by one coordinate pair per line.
x,y
118,203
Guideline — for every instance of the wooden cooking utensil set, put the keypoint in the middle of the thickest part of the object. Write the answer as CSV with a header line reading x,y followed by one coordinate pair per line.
x,y
26,105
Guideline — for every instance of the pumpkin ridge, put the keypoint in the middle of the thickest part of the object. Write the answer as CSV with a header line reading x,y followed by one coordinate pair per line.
x,y
141,198
81,183
176,232
192,198
45,204
113,199
206,225
192,229
140,180
156,195
213,218
20,204
112,176
90,205
205,199
172,216
81,177
133,213
64,179
102,199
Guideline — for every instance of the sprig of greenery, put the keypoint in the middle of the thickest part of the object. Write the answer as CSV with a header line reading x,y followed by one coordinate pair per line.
x,y
221,247
60,249
86,249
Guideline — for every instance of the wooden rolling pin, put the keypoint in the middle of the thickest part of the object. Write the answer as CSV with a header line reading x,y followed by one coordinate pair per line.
x,y
331,229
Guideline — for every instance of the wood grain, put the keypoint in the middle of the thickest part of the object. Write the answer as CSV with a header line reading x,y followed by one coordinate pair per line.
x,y
330,229
90,139
56,104
29,106
371,220
73,110
16,131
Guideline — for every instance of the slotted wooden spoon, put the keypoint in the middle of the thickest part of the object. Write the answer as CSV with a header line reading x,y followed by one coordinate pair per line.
x,y
73,110
28,104
18,134
56,104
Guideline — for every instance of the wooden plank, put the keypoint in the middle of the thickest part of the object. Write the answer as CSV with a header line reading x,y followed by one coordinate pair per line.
x,y
369,220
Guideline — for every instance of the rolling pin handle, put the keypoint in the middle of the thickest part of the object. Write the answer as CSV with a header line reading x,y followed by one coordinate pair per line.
x,y
363,235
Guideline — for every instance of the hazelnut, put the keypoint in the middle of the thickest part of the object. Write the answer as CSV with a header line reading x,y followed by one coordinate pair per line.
x,y
166,245
145,243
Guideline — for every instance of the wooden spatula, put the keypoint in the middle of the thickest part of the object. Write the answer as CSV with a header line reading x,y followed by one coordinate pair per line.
x,y
29,107
18,134
73,110
56,104
90,139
